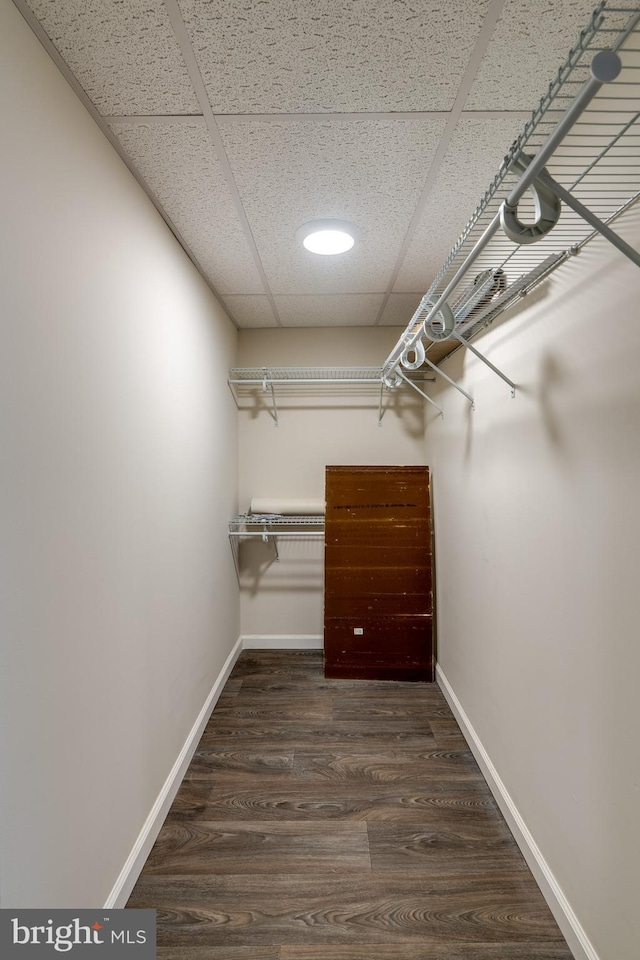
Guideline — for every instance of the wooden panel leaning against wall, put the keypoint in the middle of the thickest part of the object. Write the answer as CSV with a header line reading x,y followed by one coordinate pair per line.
x,y
378,601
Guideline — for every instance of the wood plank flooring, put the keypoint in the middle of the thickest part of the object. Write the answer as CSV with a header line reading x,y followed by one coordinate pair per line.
x,y
338,820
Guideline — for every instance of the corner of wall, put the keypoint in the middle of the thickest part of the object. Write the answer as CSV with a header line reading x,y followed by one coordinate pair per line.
x,y
153,824
571,928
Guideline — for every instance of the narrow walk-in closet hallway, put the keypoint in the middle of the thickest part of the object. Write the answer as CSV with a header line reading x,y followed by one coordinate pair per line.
x,y
338,820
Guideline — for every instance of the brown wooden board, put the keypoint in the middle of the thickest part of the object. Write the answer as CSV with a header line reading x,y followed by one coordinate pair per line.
x,y
390,646
378,573
366,580
359,532
390,605
392,554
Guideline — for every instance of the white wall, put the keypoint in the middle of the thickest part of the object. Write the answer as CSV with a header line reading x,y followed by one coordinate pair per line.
x,y
119,451
537,533
318,426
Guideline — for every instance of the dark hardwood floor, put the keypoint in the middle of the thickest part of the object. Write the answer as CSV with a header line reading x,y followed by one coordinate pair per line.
x,y
338,820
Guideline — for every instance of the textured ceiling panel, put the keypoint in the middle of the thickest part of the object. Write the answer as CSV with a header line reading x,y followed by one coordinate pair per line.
x,y
250,312
530,43
287,56
399,309
346,310
123,52
369,172
178,162
475,153
383,62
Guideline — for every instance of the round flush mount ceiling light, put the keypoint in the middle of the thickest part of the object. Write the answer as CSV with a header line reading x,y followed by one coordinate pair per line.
x,y
327,237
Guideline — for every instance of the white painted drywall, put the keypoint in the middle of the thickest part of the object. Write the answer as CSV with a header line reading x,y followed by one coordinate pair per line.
x,y
318,426
537,529
119,453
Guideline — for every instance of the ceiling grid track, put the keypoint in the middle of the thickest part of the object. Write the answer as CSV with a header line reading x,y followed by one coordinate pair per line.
x,y
103,124
175,17
321,117
571,183
479,50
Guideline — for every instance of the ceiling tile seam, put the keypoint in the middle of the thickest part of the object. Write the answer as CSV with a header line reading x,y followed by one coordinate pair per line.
x,y
344,293
417,115
153,118
175,17
480,47
66,71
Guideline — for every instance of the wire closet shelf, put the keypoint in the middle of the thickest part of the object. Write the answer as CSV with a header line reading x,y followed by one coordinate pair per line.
x,y
270,527
574,169
261,525
267,379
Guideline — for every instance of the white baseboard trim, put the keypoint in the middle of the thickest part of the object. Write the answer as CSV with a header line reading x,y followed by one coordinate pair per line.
x,y
285,641
130,872
571,928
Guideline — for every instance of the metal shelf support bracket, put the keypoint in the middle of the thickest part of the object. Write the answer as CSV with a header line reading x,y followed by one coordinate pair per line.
x,y
484,360
449,380
268,381
421,392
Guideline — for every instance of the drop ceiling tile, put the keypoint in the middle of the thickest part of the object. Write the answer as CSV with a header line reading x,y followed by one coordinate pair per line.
x,y
178,162
124,53
333,310
530,43
475,152
250,312
284,56
370,172
400,308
